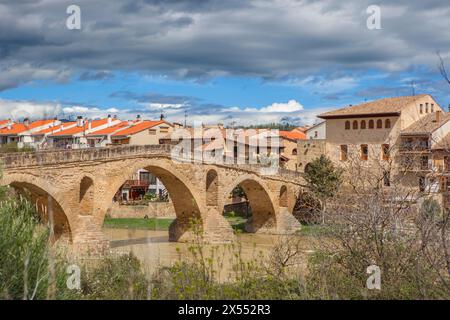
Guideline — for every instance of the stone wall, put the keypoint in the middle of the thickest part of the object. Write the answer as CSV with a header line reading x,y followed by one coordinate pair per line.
x,y
154,209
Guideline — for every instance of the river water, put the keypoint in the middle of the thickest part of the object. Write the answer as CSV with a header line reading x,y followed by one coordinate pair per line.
x,y
154,249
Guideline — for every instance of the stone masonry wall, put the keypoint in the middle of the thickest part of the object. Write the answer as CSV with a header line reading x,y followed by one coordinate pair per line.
x,y
154,209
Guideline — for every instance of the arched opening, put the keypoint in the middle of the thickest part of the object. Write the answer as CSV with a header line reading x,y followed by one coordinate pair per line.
x,y
250,202
387,124
294,151
86,197
156,197
48,209
212,188
363,124
355,125
347,125
371,124
379,124
283,197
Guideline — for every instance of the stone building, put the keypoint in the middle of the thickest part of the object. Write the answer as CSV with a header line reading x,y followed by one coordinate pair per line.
x,y
401,138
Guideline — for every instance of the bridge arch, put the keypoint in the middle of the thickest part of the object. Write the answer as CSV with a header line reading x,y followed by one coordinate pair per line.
x,y
86,195
48,201
283,199
212,187
184,195
261,203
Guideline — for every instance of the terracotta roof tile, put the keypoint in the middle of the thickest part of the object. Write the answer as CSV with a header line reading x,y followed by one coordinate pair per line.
x,y
427,124
381,106
17,128
296,135
55,128
76,129
138,127
110,130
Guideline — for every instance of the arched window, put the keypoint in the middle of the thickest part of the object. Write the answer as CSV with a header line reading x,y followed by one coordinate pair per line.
x,y
347,125
371,124
294,152
387,123
379,124
355,125
363,124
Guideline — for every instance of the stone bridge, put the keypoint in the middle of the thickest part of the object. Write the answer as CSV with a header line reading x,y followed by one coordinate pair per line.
x,y
73,189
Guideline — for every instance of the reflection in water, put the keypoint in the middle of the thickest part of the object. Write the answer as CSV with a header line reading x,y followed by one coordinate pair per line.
x,y
154,249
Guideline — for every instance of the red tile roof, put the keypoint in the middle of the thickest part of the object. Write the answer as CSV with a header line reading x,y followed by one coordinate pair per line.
x,y
296,135
17,128
110,130
3,122
138,127
76,129
55,128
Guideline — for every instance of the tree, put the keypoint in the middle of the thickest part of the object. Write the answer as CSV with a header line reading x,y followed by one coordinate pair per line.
x,y
442,70
323,180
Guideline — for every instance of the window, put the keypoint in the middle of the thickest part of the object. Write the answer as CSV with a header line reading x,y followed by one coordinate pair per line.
x,y
421,108
355,125
363,124
422,183
344,150
144,176
387,124
379,124
364,152
294,152
347,125
316,134
152,132
385,151
387,178
432,107
424,163
426,107
164,129
371,124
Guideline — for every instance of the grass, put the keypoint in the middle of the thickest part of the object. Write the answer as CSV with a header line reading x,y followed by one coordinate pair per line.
x,y
236,222
138,223
311,230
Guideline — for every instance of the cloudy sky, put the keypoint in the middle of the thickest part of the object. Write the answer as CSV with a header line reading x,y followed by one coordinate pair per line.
x,y
231,61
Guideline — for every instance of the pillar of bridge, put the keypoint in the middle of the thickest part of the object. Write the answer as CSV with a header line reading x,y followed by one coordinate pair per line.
x,y
286,222
212,227
88,239
216,228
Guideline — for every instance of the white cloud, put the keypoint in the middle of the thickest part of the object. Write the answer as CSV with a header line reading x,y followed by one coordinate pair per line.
x,y
290,106
16,109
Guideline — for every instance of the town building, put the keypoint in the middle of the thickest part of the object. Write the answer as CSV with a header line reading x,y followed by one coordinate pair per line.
x,y
404,138
22,133
76,137
142,132
317,131
289,141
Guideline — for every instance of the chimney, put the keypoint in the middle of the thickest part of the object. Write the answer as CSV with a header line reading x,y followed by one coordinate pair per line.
x,y
109,120
79,121
115,117
138,118
89,125
26,122
10,124
161,117
438,116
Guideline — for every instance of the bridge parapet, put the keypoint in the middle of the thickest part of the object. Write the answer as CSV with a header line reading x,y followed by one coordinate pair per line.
x,y
25,159
61,156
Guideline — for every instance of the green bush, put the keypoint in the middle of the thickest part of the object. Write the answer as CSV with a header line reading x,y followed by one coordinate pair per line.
x,y
115,278
29,269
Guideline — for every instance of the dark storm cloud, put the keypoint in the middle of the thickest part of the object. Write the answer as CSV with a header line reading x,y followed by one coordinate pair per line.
x,y
200,39
153,97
